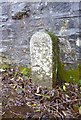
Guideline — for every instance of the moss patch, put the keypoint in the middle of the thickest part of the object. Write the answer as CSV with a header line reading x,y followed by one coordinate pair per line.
x,y
25,71
59,72
71,75
55,57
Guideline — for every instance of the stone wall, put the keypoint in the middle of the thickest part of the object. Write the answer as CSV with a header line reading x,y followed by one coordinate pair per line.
x,y
19,21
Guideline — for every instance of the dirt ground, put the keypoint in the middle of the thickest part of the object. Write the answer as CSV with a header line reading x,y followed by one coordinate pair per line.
x,y
21,99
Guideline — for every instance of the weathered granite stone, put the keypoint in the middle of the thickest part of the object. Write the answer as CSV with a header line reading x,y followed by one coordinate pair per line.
x,y
41,58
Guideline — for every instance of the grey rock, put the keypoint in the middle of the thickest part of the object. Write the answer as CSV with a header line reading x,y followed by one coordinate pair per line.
x,y
69,32
3,49
3,18
16,26
2,25
67,53
19,10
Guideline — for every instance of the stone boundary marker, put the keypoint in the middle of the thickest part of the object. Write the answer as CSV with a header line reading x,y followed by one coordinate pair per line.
x,y
47,54
41,59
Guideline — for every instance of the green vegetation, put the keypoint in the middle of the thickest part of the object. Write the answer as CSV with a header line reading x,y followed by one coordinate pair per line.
x,y
60,74
4,66
71,75
55,57
25,71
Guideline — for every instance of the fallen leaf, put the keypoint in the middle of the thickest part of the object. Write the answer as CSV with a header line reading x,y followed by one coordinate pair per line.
x,y
80,110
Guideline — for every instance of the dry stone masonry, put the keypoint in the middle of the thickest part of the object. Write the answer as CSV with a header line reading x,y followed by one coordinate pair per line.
x,y
41,58
20,20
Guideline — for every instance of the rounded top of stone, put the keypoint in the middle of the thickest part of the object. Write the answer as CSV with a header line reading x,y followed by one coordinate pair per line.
x,y
40,36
